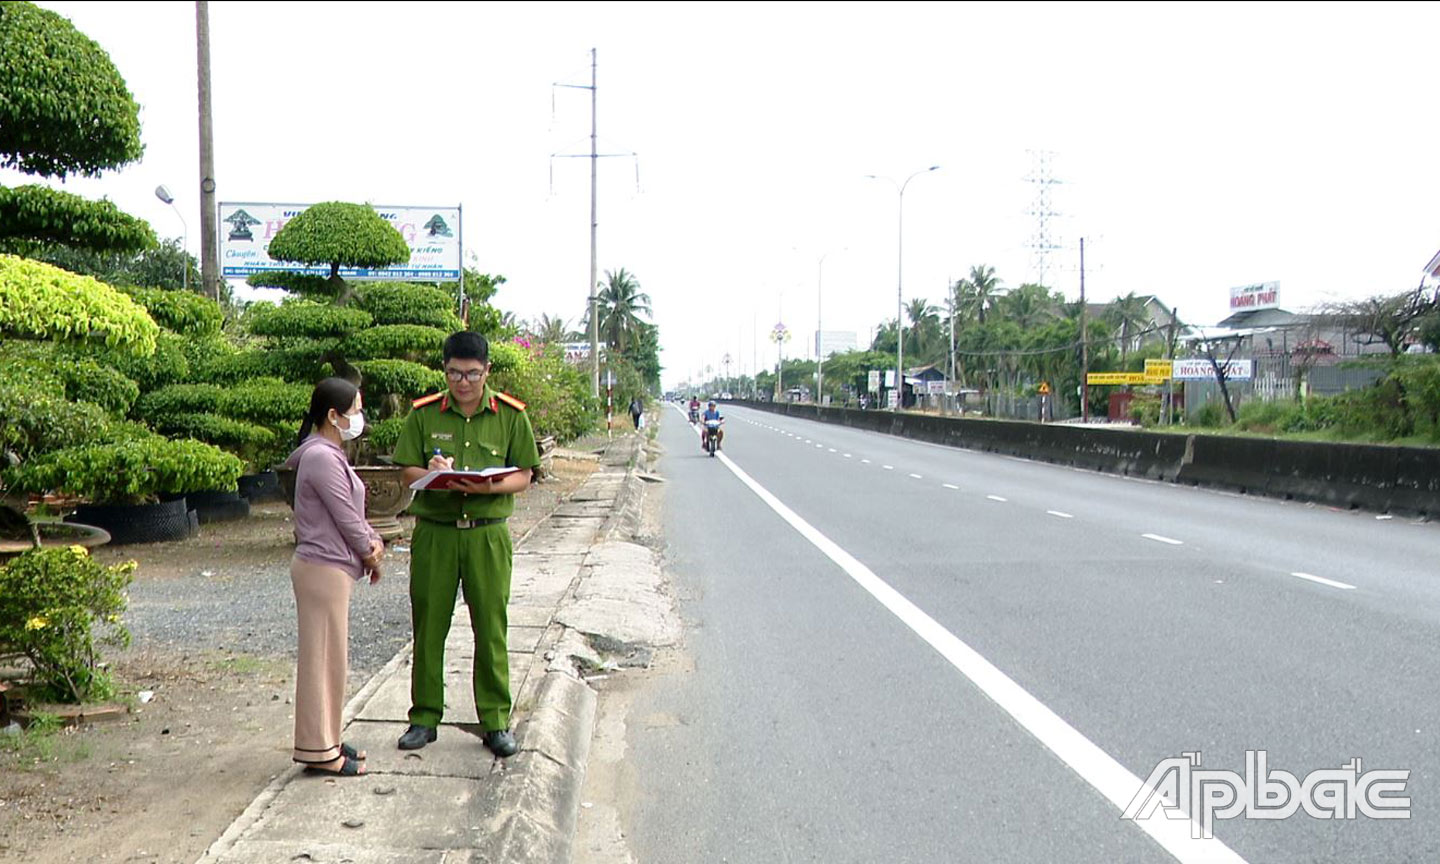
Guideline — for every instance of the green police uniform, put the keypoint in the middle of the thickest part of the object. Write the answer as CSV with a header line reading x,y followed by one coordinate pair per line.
x,y
461,538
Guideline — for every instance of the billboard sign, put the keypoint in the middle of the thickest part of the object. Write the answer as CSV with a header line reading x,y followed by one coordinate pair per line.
x,y
432,233
1157,371
1201,370
872,380
576,352
1247,298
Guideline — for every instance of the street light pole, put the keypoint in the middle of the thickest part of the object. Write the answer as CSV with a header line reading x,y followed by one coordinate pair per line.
x,y
164,195
820,331
900,284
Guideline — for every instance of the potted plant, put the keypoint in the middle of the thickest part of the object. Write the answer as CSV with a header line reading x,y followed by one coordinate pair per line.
x,y
124,482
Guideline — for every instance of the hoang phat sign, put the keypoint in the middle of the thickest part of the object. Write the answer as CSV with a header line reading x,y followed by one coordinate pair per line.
x,y
432,233
1263,295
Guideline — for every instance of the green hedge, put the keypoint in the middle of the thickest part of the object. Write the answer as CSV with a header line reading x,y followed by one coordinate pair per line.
x,y
34,422
396,341
263,402
39,301
168,365
302,318
400,377
129,472
181,311
410,304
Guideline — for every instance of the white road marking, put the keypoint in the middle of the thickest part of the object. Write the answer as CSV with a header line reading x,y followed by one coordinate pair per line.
x,y
996,498
916,477
865,461
848,456
1059,514
1323,581
1158,539
888,467
1096,767
832,449
949,485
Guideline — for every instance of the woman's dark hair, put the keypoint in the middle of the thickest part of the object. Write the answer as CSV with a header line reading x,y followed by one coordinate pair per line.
x,y
466,345
336,393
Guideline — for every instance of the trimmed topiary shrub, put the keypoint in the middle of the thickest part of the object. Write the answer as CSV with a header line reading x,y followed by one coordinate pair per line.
x,y
128,472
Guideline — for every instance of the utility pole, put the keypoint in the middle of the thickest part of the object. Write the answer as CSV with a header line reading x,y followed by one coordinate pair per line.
x,y
950,302
1170,355
594,222
1084,344
209,259
820,332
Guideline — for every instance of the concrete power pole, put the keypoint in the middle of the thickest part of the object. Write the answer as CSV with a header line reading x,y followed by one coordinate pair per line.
x,y
594,223
1084,344
209,235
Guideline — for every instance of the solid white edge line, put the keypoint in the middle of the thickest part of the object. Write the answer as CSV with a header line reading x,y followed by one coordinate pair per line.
x,y
1096,767
1059,514
1343,586
1159,539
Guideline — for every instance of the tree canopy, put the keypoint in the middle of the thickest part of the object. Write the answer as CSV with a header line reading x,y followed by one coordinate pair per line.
x,y
341,235
64,108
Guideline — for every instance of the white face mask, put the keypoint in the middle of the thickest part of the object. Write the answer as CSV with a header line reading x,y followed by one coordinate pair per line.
x,y
357,425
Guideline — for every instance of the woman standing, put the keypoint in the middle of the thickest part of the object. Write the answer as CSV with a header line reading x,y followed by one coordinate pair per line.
x,y
334,549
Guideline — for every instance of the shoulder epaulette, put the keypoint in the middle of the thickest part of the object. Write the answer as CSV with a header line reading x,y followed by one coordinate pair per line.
x,y
428,400
511,401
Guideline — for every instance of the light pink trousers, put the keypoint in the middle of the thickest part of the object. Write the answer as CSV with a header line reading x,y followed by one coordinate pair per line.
x,y
322,606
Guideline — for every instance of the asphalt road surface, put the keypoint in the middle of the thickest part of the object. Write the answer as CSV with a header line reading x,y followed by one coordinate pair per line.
x,y
911,653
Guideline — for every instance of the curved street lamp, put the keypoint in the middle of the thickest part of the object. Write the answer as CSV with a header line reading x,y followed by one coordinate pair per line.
x,y
900,284
164,195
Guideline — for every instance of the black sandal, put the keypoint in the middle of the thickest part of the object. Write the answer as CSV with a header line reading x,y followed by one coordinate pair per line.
x,y
349,768
351,753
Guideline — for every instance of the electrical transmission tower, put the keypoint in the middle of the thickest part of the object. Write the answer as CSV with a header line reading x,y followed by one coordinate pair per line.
x,y
1044,241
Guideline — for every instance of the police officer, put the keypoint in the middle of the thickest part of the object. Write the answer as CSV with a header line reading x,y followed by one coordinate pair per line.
x,y
461,536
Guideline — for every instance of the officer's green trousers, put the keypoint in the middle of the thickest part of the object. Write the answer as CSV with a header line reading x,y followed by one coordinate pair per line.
x,y
479,560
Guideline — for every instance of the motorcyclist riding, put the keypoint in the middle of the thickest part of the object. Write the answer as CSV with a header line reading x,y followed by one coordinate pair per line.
x,y
694,409
712,413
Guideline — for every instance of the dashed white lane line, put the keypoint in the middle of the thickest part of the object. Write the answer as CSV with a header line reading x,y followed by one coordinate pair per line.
x,y
820,447
848,456
832,449
1060,515
916,477
865,461
888,467
949,485
997,498
1323,581
1159,539
1096,767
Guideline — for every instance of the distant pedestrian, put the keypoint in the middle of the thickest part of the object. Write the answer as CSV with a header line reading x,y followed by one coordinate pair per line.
x,y
334,548
461,537
637,408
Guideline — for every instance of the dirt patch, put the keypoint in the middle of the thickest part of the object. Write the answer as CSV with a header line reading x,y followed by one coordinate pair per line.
x,y
213,624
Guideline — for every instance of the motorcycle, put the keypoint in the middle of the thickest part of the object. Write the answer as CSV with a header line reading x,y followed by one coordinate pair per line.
x,y
712,436
694,416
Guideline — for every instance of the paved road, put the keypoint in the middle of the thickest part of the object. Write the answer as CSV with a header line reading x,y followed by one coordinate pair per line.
x,y
905,652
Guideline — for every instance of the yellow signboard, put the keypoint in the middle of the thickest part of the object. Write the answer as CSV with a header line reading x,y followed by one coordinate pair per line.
x,y
1116,378
1158,370
1044,388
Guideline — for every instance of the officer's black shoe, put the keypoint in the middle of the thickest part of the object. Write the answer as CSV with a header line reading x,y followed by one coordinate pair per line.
x,y
416,737
501,742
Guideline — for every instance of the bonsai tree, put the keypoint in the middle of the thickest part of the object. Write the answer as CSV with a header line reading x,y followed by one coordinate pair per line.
x,y
64,109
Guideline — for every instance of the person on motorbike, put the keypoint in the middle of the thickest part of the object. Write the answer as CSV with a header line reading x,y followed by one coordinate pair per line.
x,y
712,413
694,409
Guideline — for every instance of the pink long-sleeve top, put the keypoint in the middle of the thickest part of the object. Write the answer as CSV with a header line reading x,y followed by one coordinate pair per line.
x,y
330,526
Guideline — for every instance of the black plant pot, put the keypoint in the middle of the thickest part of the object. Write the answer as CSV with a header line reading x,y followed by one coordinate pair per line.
x,y
264,486
137,523
213,506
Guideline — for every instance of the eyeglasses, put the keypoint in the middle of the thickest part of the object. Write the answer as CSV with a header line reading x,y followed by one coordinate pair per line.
x,y
473,376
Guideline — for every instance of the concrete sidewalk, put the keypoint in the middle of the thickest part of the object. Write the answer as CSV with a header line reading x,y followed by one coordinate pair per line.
x,y
452,801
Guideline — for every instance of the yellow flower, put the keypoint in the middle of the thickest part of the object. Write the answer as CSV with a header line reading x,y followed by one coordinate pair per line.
x,y
36,623
78,550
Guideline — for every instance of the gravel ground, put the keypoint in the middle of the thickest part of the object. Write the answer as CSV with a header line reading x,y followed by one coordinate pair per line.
x,y
228,591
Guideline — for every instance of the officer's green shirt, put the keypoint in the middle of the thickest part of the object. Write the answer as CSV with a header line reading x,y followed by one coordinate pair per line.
x,y
496,434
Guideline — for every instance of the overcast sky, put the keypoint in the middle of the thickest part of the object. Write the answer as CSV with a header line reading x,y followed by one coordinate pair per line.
x,y
1198,146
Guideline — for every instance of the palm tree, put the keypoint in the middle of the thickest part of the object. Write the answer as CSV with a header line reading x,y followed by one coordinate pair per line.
x,y
978,293
1130,314
924,327
620,305
551,330
1030,306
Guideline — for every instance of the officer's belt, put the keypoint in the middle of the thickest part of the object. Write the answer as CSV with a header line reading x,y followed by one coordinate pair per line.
x,y
464,523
